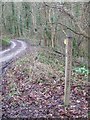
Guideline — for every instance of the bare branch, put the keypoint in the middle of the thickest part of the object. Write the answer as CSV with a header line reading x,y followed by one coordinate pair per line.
x,y
82,32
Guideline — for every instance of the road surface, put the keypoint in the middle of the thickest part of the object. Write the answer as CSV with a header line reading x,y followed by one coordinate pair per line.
x,y
17,47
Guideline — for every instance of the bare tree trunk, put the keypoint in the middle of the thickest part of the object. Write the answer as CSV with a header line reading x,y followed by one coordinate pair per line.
x,y
53,27
3,17
14,20
51,12
45,38
53,36
33,17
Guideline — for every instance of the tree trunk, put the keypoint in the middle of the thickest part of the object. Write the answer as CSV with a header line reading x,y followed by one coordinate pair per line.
x,y
51,13
33,18
45,38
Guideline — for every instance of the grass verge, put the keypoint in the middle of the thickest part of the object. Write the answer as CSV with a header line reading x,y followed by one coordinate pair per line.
x,y
5,42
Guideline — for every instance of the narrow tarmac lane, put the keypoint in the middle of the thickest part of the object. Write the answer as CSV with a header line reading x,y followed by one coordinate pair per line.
x,y
16,47
6,56
13,44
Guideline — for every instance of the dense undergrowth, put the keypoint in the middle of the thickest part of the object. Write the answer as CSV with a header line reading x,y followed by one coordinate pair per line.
x,y
60,64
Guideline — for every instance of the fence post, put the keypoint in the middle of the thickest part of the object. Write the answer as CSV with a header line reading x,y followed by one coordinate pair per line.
x,y
68,70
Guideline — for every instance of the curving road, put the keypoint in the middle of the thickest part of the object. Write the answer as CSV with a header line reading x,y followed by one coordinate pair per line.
x,y
13,44
17,46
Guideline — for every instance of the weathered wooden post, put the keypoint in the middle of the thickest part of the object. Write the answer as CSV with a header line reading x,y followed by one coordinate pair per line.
x,y
68,69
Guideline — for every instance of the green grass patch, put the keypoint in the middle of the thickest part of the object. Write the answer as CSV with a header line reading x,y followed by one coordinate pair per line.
x,y
5,42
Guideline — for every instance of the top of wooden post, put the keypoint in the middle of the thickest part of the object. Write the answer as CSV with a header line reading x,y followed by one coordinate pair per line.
x,y
69,36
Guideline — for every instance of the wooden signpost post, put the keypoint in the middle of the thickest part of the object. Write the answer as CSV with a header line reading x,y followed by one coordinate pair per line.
x,y
68,69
